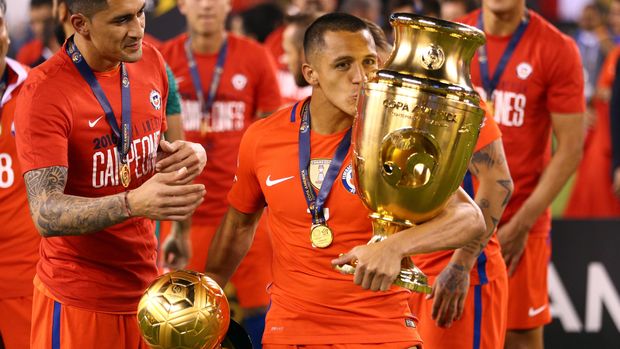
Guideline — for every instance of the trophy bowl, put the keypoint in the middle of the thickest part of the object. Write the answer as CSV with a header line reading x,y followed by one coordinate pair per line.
x,y
417,124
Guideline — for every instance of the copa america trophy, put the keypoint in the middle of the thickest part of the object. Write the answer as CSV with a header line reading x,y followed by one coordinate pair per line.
x,y
417,124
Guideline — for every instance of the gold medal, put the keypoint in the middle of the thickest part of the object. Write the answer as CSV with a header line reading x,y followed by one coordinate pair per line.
x,y
125,175
321,236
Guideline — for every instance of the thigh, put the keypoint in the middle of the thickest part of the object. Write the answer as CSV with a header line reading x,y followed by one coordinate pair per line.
x,y
482,325
528,303
56,325
15,322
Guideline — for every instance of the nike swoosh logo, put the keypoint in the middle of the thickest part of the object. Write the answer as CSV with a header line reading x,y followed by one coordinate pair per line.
x,y
533,312
93,123
271,183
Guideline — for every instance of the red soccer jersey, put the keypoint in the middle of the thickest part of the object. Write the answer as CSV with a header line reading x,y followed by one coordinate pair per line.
x,y
543,76
311,303
248,84
19,239
60,123
492,264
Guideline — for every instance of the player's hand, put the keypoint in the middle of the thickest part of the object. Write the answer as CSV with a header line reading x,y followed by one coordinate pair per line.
x,y
512,237
162,198
449,291
378,264
177,249
179,154
616,184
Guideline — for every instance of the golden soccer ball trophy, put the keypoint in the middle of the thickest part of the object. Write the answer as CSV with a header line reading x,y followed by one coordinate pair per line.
x,y
183,310
417,124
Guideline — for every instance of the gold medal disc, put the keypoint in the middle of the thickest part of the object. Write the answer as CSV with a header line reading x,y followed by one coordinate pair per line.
x,y
125,176
321,236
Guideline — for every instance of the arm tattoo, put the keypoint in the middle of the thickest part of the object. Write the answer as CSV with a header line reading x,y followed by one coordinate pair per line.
x,y
484,161
57,214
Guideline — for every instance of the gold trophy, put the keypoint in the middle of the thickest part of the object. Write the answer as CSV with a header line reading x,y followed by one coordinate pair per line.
x,y
417,124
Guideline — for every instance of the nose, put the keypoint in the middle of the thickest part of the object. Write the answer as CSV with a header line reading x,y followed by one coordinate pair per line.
x,y
359,74
136,29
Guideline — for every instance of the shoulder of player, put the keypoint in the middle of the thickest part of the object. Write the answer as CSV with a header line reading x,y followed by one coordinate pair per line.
x,y
174,44
279,120
52,75
546,33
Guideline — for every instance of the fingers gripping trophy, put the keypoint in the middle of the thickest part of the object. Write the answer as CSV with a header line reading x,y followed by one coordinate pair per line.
x,y
417,124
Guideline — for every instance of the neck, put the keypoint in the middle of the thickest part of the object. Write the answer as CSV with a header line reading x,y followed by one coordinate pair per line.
x,y
326,117
207,43
92,56
505,23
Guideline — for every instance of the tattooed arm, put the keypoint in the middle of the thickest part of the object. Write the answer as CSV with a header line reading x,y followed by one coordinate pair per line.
x,y
490,168
57,214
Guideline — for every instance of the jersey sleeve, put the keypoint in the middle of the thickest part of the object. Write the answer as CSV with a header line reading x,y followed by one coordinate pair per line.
x,y
268,92
165,93
246,194
489,131
42,126
565,90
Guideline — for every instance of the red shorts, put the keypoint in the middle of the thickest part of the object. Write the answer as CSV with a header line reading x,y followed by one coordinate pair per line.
x,y
57,325
15,322
396,345
483,324
528,302
253,274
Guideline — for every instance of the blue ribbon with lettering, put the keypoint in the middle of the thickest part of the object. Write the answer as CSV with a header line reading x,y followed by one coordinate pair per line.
x,y
488,84
316,202
125,135
215,82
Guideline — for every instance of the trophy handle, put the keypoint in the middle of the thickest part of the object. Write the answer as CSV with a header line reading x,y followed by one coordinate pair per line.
x,y
410,276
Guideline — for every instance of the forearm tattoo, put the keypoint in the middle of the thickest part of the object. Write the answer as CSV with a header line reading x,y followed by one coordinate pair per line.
x,y
482,161
57,214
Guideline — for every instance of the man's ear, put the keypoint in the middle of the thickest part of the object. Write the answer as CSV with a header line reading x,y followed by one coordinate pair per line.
x,y
309,74
81,24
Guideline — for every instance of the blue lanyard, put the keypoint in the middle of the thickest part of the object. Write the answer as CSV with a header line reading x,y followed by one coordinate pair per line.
x,y
125,136
490,85
215,82
317,202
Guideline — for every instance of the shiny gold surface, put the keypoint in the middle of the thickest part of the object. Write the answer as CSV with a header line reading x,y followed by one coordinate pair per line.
x,y
417,125
183,310
321,236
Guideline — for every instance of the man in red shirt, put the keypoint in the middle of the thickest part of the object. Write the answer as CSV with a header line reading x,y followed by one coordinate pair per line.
x,y
89,122
19,240
226,82
311,303
531,73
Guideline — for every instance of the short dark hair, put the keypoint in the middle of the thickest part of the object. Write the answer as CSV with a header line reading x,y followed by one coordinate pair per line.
x,y
381,40
336,21
86,7
39,3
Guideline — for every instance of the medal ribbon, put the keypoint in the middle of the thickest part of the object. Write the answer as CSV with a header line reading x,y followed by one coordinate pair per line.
x,y
215,82
125,136
488,84
316,202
